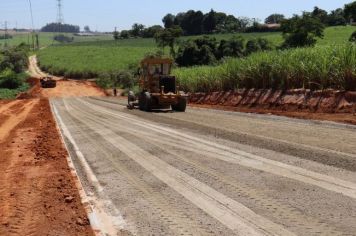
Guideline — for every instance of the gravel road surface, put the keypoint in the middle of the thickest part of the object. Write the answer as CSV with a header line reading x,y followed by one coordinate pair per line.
x,y
208,172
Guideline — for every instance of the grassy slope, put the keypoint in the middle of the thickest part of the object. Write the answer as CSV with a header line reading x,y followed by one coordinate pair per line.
x,y
91,58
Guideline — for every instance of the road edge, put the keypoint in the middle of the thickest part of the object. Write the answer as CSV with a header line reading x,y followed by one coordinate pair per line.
x,y
92,216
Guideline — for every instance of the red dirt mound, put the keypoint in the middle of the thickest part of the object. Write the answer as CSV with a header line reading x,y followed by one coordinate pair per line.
x,y
328,104
38,195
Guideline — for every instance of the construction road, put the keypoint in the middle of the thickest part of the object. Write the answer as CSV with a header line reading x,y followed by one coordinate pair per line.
x,y
208,172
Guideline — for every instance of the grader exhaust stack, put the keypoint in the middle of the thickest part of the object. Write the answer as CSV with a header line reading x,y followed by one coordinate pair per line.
x,y
158,89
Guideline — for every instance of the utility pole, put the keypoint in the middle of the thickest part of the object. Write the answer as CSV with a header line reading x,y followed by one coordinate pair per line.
x,y
33,26
5,34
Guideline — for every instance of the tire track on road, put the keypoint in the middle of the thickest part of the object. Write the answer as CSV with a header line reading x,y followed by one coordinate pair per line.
x,y
232,214
286,212
173,216
242,158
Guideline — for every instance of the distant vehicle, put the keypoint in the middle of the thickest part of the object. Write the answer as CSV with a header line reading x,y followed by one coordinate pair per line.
x,y
48,82
158,89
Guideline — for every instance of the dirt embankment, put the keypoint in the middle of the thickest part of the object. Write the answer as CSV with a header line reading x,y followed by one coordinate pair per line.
x,y
321,105
38,195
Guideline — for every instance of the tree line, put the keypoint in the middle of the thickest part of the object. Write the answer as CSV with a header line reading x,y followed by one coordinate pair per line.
x,y
62,28
298,31
197,23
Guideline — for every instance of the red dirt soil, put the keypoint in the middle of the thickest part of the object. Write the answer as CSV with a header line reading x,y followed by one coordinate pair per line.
x,y
38,195
328,105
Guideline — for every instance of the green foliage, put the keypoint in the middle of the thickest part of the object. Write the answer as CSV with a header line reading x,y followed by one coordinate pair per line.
x,y
168,21
327,67
350,11
12,93
320,14
231,48
92,58
125,34
14,58
168,38
137,30
252,46
13,62
116,35
336,17
302,31
353,37
9,79
63,38
123,79
150,32
58,27
196,23
200,51
207,50
274,19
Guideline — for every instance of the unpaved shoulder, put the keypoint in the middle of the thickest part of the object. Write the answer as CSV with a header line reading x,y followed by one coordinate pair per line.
x,y
38,195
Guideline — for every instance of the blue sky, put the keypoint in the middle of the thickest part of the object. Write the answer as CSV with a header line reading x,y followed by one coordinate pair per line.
x,y
104,15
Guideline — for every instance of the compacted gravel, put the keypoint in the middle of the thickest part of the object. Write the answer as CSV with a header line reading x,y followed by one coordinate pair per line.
x,y
208,172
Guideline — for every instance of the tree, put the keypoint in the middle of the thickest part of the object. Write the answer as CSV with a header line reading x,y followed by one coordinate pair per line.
x,y
116,35
252,46
192,22
353,37
245,22
196,52
231,48
150,32
125,34
87,29
63,28
350,11
274,19
168,37
210,22
137,30
168,21
301,31
336,17
321,14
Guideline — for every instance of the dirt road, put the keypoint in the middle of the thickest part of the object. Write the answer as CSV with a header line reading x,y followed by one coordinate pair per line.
x,y
209,172
38,194
64,88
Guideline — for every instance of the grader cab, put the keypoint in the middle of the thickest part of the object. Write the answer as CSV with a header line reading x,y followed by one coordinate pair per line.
x,y
158,89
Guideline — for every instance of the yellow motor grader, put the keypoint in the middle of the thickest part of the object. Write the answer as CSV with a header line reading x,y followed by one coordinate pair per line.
x,y
158,89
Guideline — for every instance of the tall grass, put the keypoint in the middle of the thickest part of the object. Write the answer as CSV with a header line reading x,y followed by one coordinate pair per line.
x,y
311,68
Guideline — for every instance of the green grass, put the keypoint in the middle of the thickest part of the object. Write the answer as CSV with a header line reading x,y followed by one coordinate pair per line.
x,y
12,93
46,39
89,59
